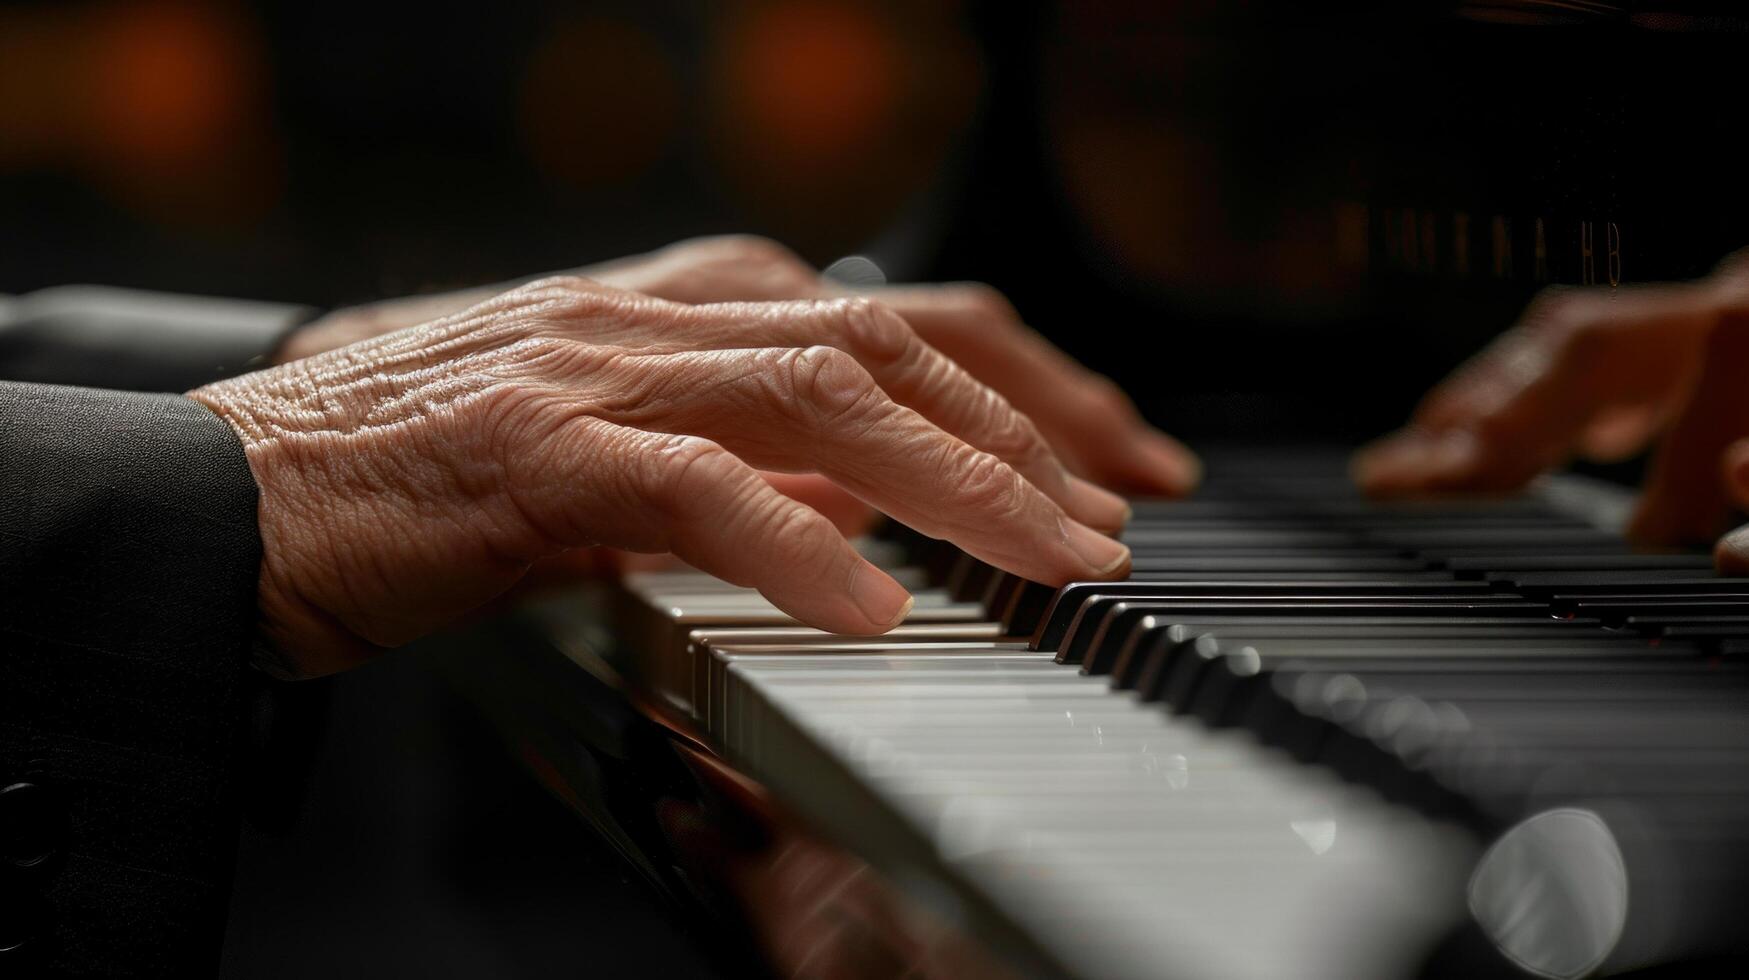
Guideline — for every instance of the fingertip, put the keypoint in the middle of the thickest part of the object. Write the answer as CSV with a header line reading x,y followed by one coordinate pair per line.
x,y
1731,553
1415,461
1163,465
884,603
1103,557
1380,468
1193,471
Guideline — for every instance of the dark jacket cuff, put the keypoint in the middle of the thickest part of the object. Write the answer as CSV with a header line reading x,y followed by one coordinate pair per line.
x,y
129,557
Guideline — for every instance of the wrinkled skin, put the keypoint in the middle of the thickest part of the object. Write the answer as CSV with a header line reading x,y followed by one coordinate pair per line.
x,y
1090,423
1602,374
411,477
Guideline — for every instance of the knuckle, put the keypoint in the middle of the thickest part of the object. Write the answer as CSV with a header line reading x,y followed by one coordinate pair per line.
x,y
872,328
566,297
991,487
798,537
683,469
829,385
514,416
1016,437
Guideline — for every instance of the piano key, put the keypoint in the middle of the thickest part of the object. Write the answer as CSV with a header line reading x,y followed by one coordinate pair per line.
x,y
1638,582
1122,658
1305,607
1067,601
1451,659
1500,566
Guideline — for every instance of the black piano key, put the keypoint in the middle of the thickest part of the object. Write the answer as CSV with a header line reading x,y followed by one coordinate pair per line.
x,y
1527,538
1618,610
1430,577
1499,566
1100,616
1197,676
1091,614
1168,537
1496,609
1067,601
968,581
1120,658
1641,582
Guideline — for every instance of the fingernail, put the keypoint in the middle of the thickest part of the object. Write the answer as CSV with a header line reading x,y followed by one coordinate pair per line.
x,y
884,601
1095,505
1102,554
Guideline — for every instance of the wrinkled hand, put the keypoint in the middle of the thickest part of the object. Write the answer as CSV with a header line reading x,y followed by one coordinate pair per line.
x,y
408,479
1088,420
1598,374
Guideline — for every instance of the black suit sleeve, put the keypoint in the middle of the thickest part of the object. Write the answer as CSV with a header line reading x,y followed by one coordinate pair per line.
x,y
137,341
129,554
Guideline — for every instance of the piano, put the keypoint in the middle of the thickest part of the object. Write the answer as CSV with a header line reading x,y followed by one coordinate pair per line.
x,y
1312,736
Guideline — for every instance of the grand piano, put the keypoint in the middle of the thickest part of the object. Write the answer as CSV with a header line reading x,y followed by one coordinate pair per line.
x,y
1312,736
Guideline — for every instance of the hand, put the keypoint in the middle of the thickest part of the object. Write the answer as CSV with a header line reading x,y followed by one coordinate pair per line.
x,y
1086,418
408,479
1598,374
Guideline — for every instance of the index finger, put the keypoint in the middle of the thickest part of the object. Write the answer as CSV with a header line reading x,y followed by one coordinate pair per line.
x,y
819,410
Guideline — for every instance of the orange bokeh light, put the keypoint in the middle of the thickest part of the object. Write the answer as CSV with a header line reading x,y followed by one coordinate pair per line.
x,y
819,79
168,82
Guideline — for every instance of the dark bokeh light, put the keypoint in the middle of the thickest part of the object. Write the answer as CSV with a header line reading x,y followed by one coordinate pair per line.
x,y
159,107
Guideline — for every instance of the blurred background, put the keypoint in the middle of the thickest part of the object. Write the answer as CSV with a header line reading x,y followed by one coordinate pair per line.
x,y
1268,220
1316,208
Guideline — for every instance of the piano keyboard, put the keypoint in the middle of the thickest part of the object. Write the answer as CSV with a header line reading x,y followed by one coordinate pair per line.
x,y
1310,736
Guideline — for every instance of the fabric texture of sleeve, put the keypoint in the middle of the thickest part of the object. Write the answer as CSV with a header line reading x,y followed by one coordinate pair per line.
x,y
129,555
135,340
